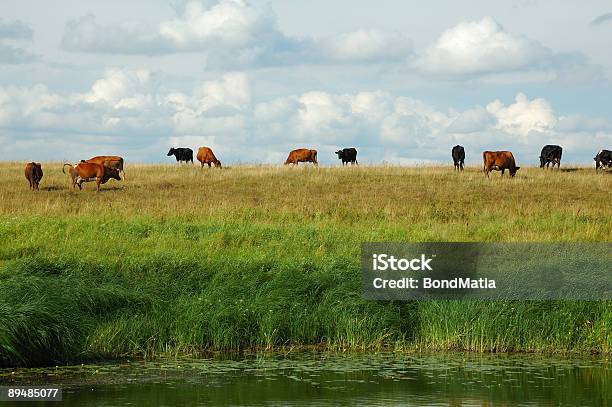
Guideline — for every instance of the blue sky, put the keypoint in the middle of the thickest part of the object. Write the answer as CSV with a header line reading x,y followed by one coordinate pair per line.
x,y
400,81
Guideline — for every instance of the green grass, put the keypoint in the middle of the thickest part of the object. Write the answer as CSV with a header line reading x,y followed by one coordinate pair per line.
x,y
181,260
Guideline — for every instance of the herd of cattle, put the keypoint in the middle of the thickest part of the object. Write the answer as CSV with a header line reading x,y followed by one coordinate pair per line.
x,y
103,168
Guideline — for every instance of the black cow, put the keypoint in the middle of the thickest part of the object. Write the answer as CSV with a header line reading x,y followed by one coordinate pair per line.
x,y
551,154
458,157
603,159
348,155
181,154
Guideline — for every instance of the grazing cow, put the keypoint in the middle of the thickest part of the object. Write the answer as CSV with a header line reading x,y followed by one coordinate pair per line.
x,y
181,154
302,155
110,161
206,156
348,155
499,161
603,159
458,154
550,154
86,172
33,173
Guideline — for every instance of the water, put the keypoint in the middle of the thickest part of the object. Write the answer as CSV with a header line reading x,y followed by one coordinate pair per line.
x,y
323,379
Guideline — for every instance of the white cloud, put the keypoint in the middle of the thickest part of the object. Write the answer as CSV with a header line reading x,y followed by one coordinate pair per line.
x,y
232,33
124,112
85,34
213,105
122,89
523,116
227,32
367,45
228,23
480,47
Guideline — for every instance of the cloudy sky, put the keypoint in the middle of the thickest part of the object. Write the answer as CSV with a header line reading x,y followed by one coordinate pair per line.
x,y
254,79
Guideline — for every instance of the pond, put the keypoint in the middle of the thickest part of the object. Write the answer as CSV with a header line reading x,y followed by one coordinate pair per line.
x,y
323,379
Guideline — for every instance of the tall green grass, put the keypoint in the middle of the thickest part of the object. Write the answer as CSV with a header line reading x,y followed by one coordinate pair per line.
x,y
178,260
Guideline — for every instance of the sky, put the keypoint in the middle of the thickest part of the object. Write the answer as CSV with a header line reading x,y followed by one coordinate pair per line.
x,y
402,81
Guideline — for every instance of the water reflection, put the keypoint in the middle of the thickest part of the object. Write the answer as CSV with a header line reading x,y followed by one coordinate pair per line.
x,y
323,379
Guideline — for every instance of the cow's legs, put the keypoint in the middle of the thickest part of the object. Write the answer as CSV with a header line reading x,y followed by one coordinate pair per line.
x,y
98,180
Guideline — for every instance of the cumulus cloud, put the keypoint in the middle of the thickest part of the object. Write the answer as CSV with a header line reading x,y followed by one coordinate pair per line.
x,y
478,47
367,45
85,34
523,116
228,23
124,111
121,89
230,33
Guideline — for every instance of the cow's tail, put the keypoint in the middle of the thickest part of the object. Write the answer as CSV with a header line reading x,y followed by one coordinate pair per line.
x,y
64,167
314,156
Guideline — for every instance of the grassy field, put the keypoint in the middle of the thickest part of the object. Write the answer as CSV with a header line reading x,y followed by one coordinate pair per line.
x,y
181,260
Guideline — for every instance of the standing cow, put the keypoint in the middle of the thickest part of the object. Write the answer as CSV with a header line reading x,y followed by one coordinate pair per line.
x,y
110,161
347,155
181,154
33,173
86,172
499,161
206,156
603,159
458,154
551,154
302,155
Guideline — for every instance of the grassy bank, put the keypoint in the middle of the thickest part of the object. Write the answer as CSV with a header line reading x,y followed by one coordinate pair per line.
x,y
178,259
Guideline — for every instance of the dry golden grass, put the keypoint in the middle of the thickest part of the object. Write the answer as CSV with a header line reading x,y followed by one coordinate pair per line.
x,y
571,204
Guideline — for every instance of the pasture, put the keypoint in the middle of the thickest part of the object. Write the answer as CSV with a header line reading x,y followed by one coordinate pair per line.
x,y
178,259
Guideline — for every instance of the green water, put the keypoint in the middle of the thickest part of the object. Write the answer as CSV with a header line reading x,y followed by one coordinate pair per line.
x,y
323,379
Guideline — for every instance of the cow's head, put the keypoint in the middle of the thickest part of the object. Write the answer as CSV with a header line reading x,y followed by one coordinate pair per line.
x,y
112,173
218,164
171,152
514,170
340,154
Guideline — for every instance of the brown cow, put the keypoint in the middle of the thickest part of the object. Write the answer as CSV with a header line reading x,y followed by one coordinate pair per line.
x,y
86,172
499,161
206,156
302,155
110,161
33,173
